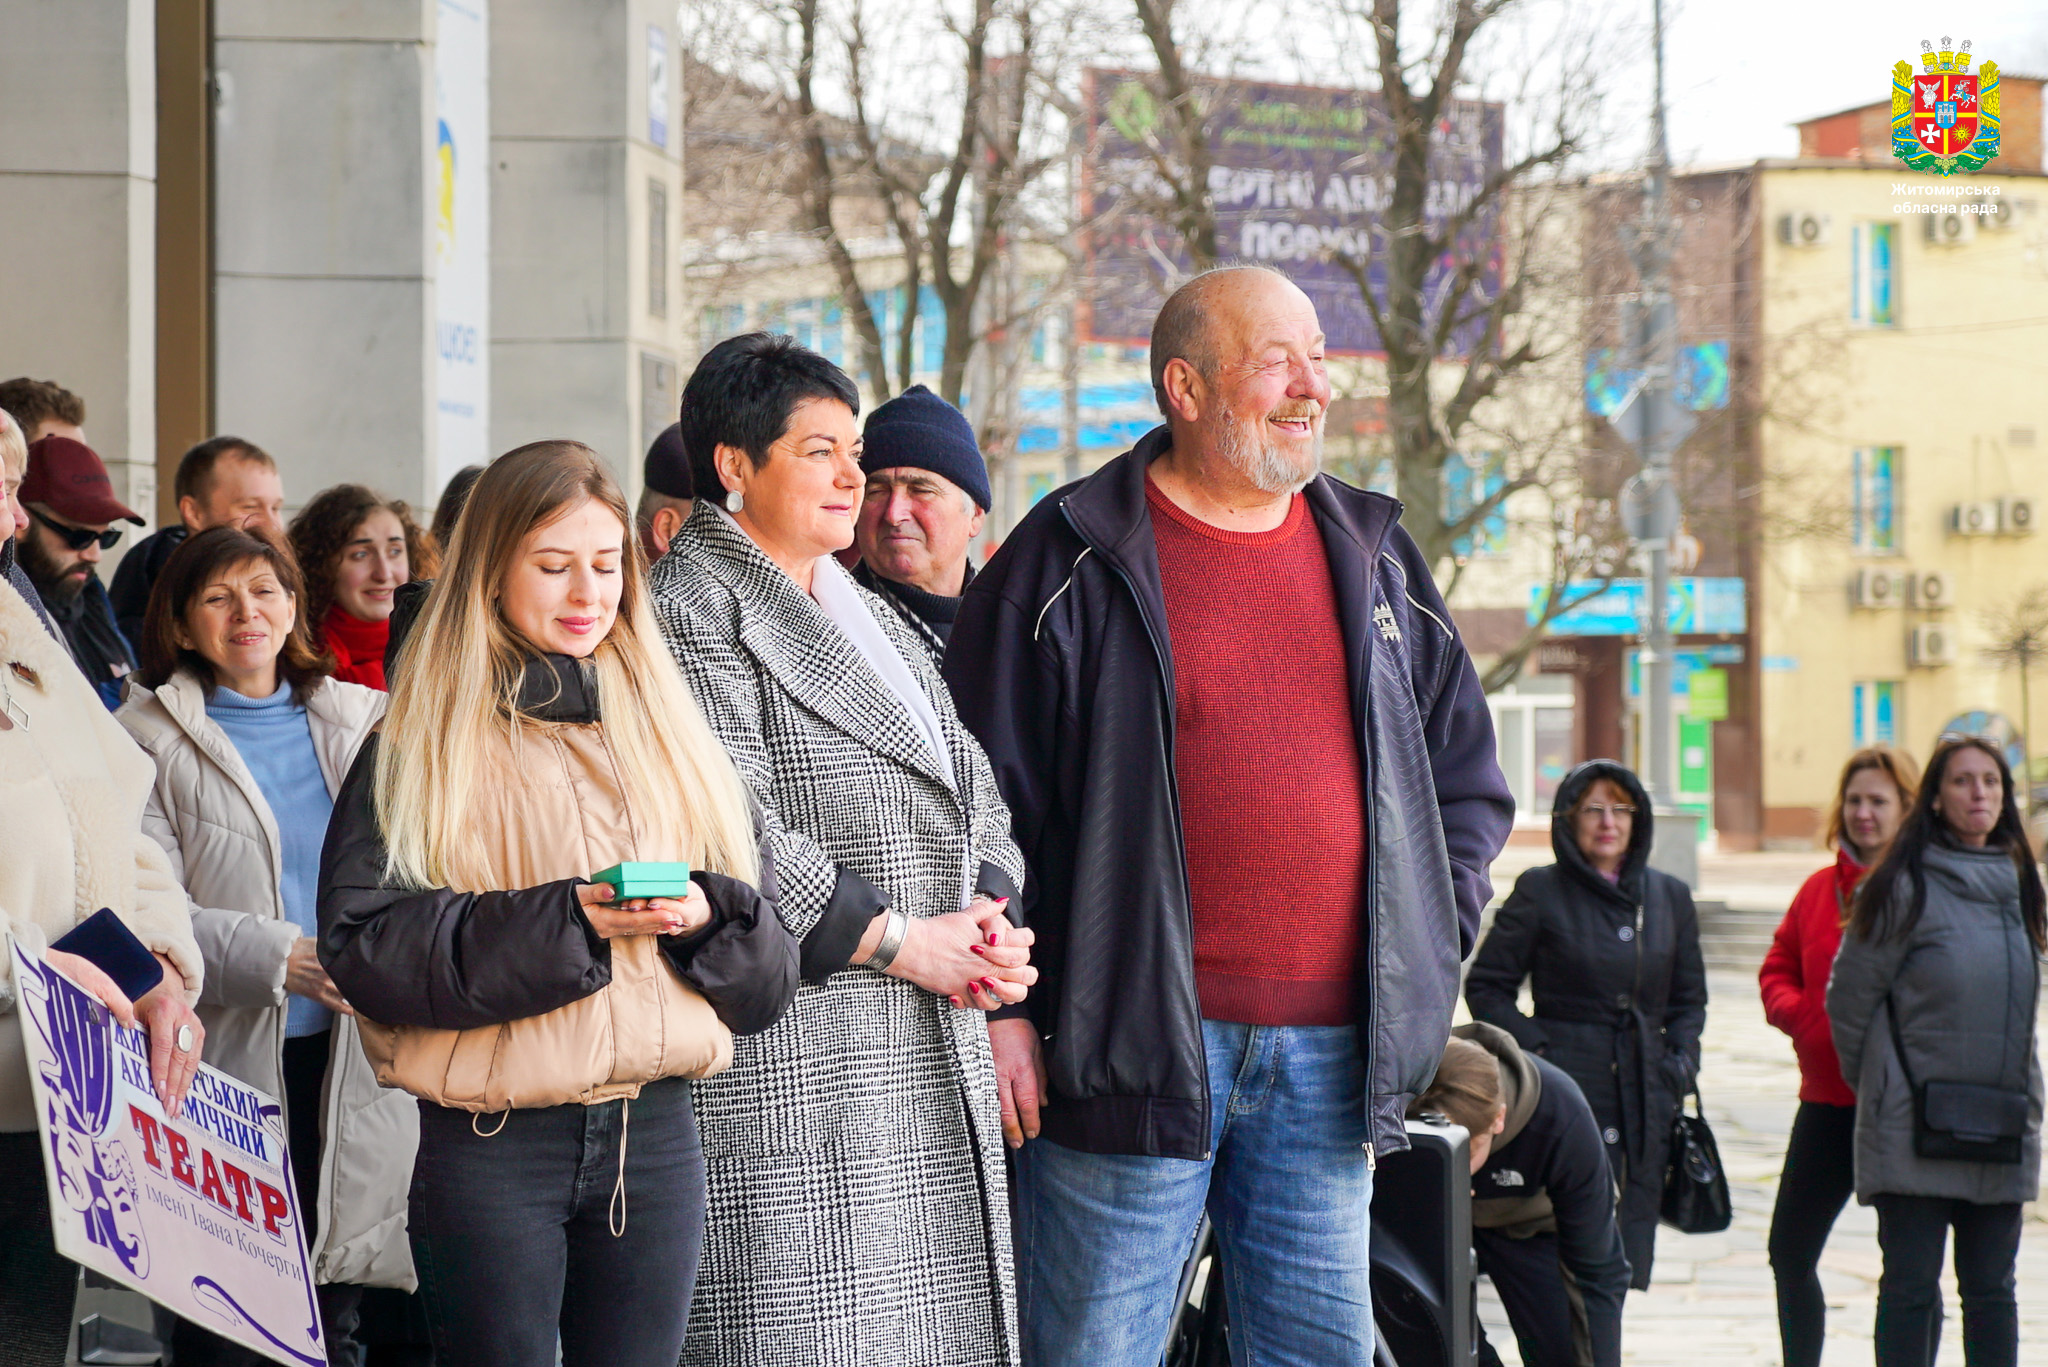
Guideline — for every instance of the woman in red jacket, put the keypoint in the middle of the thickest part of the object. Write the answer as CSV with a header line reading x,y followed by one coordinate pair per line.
x,y
1876,789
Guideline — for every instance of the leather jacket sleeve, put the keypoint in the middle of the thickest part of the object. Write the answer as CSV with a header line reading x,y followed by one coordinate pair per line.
x,y
437,957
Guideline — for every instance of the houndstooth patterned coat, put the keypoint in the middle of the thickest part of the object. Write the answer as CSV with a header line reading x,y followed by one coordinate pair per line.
x,y
858,1198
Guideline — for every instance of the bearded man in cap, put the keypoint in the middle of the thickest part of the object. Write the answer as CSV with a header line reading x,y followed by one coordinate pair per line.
x,y
927,497
71,510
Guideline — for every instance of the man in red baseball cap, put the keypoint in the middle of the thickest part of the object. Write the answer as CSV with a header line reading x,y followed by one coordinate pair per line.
x,y
71,510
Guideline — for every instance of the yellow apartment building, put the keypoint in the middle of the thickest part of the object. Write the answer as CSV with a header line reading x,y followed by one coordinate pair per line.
x,y
1903,470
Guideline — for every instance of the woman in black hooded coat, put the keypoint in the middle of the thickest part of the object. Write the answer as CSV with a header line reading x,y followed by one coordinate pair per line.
x,y
1611,948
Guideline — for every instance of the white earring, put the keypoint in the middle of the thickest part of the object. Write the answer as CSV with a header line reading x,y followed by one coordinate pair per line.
x,y
735,501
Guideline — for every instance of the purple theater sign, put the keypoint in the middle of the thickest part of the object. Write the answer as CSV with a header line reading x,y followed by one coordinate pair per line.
x,y
1300,177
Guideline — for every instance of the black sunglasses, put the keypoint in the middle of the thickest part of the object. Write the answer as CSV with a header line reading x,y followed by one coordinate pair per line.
x,y
78,538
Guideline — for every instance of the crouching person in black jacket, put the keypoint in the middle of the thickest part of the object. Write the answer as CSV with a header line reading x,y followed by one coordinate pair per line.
x,y
549,1029
1542,1198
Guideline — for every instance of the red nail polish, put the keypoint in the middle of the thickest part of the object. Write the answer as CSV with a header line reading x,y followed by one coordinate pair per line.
x,y
979,949
955,1000
988,985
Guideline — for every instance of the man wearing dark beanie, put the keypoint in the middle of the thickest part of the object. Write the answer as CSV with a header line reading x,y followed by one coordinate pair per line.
x,y
665,492
927,495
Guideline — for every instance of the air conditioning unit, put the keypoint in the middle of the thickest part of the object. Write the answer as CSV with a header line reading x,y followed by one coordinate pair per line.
x,y
1803,228
1878,589
1949,230
1930,647
1994,213
1974,519
2016,516
1930,590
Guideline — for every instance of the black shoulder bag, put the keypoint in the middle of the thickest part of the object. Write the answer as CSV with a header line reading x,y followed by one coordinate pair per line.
x,y
1695,1184
1962,1122
1696,1199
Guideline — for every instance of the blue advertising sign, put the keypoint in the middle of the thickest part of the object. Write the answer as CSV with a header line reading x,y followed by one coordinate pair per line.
x,y
1699,379
1696,607
1299,178
199,1213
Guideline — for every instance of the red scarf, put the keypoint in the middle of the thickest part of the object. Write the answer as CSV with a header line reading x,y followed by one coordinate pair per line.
x,y
358,647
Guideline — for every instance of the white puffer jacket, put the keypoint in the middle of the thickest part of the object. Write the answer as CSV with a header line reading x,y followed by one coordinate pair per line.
x,y
72,788
211,818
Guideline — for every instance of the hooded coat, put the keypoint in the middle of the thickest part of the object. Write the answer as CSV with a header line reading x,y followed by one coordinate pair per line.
x,y
1966,983
1620,993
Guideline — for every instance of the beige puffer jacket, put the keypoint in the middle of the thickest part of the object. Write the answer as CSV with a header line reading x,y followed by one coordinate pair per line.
x,y
211,818
554,811
72,787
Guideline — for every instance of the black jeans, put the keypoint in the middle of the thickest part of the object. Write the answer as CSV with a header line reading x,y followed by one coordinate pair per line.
x,y
1543,1306
1819,1179
38,1286
1912,1231
512,1231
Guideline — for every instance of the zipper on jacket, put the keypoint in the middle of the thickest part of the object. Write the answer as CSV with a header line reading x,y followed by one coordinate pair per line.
x,y
1160,656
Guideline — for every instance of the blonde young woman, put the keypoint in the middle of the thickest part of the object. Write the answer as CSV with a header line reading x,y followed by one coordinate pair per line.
x,y
549,1032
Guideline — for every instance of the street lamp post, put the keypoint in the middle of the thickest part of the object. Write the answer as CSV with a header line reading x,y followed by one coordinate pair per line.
x,y
1655,423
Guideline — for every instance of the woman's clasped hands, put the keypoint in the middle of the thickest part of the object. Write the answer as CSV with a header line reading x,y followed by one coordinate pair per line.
x,y
972,957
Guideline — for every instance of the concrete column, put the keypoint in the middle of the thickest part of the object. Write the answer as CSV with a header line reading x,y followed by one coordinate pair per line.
x,y
324,239
586,290
78,217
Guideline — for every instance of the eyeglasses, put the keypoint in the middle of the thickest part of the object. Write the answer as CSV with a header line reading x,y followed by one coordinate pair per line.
x,y
78,538
1597,810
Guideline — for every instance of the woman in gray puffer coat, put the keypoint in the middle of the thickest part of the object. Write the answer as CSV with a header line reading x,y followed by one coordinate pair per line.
x,y
1941,962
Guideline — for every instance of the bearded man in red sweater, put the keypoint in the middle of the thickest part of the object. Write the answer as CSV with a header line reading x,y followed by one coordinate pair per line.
x,y
1253,776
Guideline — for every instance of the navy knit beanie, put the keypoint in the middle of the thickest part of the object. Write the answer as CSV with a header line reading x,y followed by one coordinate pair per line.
x,y
917,428
667,470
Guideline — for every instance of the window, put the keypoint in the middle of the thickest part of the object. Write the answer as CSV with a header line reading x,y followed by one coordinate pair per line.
x,y
931,326
1876,713
1873,500
1873,260
657,249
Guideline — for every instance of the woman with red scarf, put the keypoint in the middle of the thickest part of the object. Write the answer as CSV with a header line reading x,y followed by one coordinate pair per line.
x,y
1875,792
355,548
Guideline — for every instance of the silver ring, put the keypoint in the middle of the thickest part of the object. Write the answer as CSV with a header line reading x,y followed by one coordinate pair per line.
x,y
184,1039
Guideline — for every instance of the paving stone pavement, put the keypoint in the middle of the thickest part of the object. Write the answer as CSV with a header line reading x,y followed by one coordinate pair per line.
x,y
1711,1301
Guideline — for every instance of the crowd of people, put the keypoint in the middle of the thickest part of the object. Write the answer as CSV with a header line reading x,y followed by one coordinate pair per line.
x,y
1033,911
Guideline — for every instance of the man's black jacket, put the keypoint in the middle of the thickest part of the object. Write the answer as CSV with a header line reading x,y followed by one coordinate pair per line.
x,y
136,575
1062,666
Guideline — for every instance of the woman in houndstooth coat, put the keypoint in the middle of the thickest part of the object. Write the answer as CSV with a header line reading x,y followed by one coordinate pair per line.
x,y
858,1206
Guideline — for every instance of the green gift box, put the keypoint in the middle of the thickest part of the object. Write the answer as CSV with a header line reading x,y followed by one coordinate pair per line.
x,y
642,879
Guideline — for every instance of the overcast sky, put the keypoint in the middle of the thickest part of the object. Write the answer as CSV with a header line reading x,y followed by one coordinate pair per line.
x,y
1739,73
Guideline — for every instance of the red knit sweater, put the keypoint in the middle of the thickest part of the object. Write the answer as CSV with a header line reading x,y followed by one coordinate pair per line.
x,y
1795,978
1266,757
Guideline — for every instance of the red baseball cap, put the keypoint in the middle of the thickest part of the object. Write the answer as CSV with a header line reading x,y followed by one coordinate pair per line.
x,y
70,479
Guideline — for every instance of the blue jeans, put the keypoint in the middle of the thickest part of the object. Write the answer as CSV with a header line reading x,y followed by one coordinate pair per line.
x,y
1102,1238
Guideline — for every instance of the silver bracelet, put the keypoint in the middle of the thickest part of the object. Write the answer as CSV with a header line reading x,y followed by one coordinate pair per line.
x,y
893,931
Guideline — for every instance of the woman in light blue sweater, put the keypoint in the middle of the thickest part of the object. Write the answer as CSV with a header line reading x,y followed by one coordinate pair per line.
x,y
251,739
